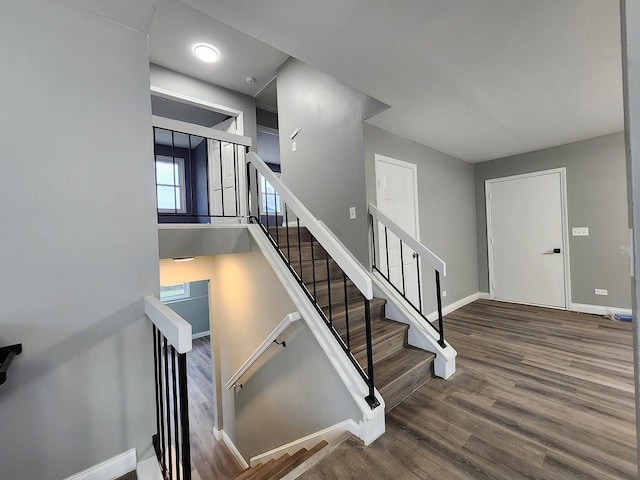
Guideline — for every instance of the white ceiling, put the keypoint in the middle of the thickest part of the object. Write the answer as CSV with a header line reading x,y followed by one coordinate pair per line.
x,y
177,27
477,79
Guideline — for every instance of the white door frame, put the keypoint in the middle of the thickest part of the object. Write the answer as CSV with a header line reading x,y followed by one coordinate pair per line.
x,y
400,163
565,227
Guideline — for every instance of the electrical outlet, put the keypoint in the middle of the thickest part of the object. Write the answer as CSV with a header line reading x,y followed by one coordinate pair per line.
x,y
580,231
601,291
444,294
352,213
294,146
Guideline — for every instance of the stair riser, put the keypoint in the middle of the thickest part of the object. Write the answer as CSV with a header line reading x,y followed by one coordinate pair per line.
x,y
356,316
294,252
381,347
337,294
335,273
305,235
404,386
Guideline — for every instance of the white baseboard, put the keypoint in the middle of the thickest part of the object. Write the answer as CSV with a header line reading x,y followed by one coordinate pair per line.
x,y
484,296
217,434
328,434
112,468
201,334
234,451
597,309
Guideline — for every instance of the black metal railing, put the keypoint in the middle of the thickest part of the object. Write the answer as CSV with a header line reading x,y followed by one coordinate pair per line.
x,y
338,301
7,354
171,441
400,265
197,178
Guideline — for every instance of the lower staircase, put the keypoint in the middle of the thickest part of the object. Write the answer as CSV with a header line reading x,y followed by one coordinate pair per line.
x,y
399,368
278,468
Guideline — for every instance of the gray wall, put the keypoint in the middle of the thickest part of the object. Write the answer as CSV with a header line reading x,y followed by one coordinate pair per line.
x,y
296,385
194,309
446,208
192,87
82,390
327,170
597,198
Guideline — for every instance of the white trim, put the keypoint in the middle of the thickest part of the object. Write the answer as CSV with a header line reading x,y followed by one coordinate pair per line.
x,y
201,334
149,469
415,245
328,435
234,451
275,333
217,434
484,296
268,130
176,329
112,468
565,227
239,114
354,270
199,130
598,309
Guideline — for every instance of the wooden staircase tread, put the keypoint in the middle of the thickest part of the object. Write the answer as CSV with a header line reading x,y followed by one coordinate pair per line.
x,y
380,331
268,467
401,363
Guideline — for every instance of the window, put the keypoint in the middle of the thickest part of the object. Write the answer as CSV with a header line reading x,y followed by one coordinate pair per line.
x,y
170,184
171,293
270,200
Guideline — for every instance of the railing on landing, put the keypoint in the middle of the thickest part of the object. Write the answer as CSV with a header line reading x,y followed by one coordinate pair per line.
x,y
198,172
388,241
171,335
279,212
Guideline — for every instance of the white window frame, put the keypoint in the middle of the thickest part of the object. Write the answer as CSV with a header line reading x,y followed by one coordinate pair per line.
x,y
181,296
264,195
182,187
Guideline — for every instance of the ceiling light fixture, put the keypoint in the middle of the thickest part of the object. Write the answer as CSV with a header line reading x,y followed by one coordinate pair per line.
x,y
183,259
206,53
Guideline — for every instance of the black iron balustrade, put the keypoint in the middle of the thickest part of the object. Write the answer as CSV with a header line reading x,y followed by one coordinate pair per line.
x,y
278,219
171,442
400,285
189,170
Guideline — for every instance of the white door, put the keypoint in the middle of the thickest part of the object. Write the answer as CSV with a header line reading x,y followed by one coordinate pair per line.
x,y
223,174
397,198
527,238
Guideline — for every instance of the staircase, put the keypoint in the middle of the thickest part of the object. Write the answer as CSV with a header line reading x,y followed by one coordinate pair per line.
x,y
399,368
278,468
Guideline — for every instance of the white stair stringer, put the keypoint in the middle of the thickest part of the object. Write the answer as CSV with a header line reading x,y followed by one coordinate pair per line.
x,y
372,423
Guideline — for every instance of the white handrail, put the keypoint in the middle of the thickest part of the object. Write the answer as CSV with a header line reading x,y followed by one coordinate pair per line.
x,y
415,245
356,272
175,329
200,131
281,327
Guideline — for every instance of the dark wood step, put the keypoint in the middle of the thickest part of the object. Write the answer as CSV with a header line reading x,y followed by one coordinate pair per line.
x,y
336,288
281,235
356,314
387,337
398,375
297,459
295,252
317,268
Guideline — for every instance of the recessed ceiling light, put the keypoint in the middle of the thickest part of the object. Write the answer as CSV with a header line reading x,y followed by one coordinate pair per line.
x,y
206,53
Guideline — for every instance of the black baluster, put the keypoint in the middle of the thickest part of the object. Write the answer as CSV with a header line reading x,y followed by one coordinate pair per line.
x,y
346,310
184,416
441,342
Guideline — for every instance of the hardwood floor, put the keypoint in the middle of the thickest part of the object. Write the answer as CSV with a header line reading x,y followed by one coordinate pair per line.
x,y
210,459
538,394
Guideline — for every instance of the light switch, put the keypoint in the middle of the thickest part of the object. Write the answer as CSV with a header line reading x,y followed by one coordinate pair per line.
x,y
601,291
580,231
294,146
352,213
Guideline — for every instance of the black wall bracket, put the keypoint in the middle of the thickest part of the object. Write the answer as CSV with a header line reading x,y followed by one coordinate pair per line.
x,y
7,354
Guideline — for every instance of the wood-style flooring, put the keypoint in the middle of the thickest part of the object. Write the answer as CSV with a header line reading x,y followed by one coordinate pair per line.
x,y
538,394
210,459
